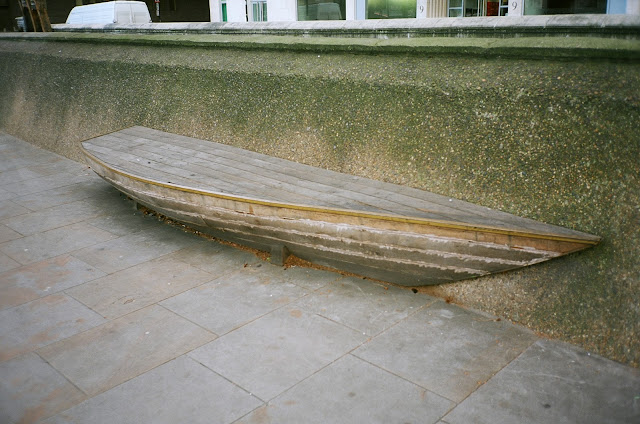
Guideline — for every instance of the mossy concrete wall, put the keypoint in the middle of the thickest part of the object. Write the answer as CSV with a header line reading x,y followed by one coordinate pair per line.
x,y
557,140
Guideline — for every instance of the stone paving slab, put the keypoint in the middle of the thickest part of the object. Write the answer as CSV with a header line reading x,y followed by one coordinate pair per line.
x,y
231,301
363,305
63,195
447,349
58,216
6,195
51,167
41,322
352,391
19,174
114,223
119,350
91,331
21,158
124,252
310,279
137,287
216,259
555,383
52,243
30,389
43,278
7,234
180,391
36,185
6,263
273,353
9,209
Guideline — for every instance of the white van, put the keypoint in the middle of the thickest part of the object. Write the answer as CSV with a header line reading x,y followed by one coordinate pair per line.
x,y
110,12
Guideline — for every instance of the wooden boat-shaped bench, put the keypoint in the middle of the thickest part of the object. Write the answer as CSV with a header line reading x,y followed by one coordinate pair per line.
x,y
371,228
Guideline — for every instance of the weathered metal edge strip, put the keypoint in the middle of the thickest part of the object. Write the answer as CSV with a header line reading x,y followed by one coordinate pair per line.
x,y
369,215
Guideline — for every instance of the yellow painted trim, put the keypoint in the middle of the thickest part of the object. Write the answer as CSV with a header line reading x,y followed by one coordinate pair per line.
x,y
345,212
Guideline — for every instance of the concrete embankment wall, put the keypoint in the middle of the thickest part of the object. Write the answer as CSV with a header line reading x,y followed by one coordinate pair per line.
x,y
547,129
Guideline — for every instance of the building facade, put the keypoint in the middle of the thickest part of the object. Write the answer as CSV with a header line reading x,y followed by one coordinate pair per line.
x,y
309,10
306,10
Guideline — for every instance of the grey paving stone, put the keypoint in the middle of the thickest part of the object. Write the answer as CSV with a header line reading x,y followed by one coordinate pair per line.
x,y
308,278
21,158
54,165
55,217
9,144
18,174
352,391
119,350
31,390
311,279
15,148
447,349
49,182
49,244
10,209
6,195
57,163
124,220
180,391
111,202
29,282
133,249
43,321
216,258
277,351
62,195
235,299
139,286
18,154
364,305
7,234
6,264
552,382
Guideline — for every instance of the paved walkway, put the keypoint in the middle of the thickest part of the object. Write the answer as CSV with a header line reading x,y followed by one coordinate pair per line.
x,y
108,316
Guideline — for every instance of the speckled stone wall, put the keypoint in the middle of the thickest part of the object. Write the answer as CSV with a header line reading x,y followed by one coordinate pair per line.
x,y
553,140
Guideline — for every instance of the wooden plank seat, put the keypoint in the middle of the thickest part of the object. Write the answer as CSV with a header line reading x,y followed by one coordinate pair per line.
x,y
376,229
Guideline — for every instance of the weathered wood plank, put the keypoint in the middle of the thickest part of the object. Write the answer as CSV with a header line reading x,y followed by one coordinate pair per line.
x,y
234,167
322,180
409,201
166,170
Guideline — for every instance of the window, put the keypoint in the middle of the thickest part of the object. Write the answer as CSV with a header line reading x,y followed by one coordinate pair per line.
x,y
553,7
224,11
386,9
259,10
455,8
504,7
467,8
321,10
